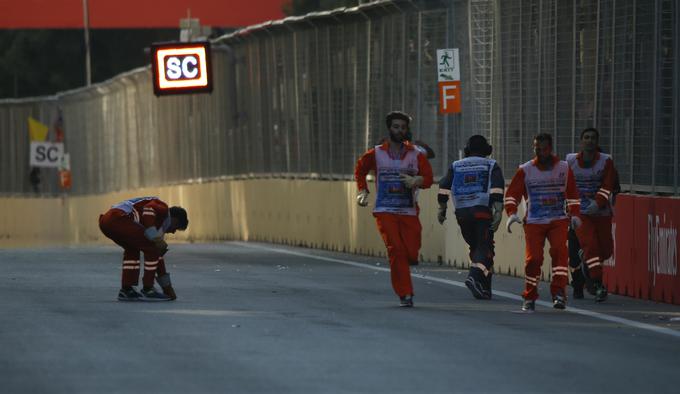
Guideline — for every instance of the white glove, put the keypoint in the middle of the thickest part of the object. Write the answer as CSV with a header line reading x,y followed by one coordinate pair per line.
x,y
411,181
575,222
362,198
497,212
512,219
592,208
441,215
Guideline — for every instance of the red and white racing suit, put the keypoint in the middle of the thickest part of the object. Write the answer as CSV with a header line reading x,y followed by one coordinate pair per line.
x,y
129,224
595,184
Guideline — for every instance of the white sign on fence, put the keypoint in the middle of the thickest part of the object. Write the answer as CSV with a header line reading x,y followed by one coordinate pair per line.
x,y
448,65
65,164
46,154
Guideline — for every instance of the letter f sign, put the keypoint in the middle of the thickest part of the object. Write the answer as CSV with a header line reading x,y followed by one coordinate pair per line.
x,y
449,97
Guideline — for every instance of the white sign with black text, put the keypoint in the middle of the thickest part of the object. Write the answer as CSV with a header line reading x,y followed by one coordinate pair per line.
x,y
46,154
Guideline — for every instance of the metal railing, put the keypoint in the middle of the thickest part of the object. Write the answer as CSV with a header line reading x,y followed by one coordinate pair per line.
x,y
306,96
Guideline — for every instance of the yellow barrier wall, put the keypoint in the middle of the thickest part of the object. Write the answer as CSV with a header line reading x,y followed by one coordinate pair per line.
x,y
312,213
304,212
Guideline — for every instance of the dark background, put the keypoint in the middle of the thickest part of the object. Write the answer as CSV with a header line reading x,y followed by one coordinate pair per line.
x,y
37,62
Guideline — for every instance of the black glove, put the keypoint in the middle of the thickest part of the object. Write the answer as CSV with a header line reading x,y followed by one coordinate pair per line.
x,y
161,245
441,215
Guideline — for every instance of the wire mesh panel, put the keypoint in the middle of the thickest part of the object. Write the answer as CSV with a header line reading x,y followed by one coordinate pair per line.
x,y
306,96
568,65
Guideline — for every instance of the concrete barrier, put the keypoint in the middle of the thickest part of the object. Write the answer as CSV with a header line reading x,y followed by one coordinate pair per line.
x,y
312,213
323,214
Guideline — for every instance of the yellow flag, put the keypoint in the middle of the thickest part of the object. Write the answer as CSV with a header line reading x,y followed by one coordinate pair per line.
x,y
37,130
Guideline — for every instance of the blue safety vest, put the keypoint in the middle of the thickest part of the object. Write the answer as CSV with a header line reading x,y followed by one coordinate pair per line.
x,y
471,181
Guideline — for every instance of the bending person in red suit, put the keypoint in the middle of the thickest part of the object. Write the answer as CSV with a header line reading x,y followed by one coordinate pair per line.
x,y
139,225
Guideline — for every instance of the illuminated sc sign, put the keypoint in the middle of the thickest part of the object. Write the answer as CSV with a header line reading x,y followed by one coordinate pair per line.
x,y
181,68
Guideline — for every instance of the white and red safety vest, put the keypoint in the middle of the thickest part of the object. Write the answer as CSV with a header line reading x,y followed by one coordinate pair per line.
x,y
550,193
392,196
147,211
595,183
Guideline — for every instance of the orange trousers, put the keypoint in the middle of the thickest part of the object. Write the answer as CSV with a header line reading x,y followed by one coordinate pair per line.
x,y
595,237
401,234
535,236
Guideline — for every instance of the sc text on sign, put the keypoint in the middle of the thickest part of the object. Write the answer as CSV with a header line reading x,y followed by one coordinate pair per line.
x,y
180,68
46,154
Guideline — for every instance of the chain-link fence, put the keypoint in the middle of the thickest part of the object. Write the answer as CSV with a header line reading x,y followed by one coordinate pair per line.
x,y
304,97
567,65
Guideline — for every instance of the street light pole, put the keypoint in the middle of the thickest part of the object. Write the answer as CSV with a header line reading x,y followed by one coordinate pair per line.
x,y
86,25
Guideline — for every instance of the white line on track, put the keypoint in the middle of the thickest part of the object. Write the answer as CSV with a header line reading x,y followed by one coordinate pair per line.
x,y
514,297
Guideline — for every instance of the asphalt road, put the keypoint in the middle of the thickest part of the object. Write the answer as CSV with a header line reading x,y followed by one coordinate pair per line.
x,y
268,318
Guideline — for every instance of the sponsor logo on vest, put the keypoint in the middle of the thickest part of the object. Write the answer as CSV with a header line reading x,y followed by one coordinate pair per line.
x,y
470,178
662,247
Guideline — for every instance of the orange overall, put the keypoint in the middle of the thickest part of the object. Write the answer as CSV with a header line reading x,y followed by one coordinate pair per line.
x,y
595,184
547,191
396,209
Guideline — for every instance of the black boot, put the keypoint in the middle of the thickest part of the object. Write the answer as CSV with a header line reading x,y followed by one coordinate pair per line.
x,y
600,291
577,283
578,292
488,284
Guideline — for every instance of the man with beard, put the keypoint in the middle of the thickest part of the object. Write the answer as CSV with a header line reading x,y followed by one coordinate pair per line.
x,y
596,179
547,185
476,184
421,146
400,170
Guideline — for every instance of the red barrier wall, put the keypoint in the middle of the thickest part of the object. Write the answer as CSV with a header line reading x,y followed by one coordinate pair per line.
x,y
645,262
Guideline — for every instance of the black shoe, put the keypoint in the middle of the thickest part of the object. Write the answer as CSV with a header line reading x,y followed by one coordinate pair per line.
x,y
128,294
559,302
487,294
577,282
578,293
151,294
591,286
487,286
600,293
529,306
478,291
412,263
406,302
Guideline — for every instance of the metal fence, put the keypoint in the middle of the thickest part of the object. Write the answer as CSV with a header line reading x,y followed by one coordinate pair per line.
x,y
305,96
567,65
